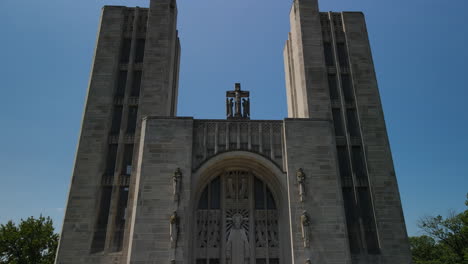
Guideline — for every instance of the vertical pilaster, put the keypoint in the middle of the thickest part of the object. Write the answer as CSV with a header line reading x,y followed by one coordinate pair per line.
x,y
165,145
310,146
159,84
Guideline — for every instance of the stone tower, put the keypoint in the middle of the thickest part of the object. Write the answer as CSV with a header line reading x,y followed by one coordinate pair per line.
x,y
134,74
330,74
150,187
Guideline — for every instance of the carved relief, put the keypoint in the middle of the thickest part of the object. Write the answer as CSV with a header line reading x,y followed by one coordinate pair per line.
x,y
301,178
174,229
305,226
266,229
176,182
208,229
240,239
237,246
212,137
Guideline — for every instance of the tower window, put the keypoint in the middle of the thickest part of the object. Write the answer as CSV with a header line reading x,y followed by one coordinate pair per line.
x,y
352,220
120,219
132,119
136,83
332,85
100,230
353,125
343,162
328,49
127,159
125,51
359,164
121,82
116,120
140,50
111,158
368,220
337,122
347,87
342,54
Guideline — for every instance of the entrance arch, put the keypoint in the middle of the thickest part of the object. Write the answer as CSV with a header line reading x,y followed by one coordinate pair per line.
x,y
238,207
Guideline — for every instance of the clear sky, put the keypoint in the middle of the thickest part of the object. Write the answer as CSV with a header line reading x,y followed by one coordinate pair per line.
x,y
419,48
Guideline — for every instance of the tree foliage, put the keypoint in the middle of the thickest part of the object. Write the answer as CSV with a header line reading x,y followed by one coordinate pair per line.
x,y
445,240
32,241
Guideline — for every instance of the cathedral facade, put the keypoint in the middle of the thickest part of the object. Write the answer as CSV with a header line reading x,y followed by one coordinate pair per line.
x,y
151,187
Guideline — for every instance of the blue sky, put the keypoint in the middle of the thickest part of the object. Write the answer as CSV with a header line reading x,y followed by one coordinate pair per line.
x,y
419,49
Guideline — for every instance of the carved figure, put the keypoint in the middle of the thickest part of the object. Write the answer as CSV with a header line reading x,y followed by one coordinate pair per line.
x,y
176,180
237,247
238,106
174,228
301,177
246,107
229,105
243,189
305,223
237,94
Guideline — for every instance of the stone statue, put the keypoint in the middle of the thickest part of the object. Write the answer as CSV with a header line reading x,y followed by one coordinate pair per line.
x,y
246,107
174,228
176,180
305,224
236,100
229,105
237,247
238,112
301,177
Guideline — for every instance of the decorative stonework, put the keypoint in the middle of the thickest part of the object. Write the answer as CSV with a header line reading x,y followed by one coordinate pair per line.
x,y
301,180
174,229
212,137
176,183
305,226
237,103
250,226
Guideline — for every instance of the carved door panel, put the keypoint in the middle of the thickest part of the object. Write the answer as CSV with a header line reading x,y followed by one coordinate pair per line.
x,y
237,222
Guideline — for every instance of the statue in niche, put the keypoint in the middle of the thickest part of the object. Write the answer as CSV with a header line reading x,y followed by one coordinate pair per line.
x,y
305,224
174,228
246,107
229,106
237,247
301,177
176,179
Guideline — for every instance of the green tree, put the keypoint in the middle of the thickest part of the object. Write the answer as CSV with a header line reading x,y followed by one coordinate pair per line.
x,y
445,240
33,241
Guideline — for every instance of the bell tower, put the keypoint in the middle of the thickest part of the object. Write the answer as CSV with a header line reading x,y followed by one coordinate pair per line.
x,y
330,75
135,74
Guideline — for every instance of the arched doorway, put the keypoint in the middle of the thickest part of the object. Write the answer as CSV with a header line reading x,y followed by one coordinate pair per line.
x,y
236,221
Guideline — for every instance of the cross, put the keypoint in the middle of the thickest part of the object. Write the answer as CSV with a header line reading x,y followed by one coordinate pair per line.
x,y
237,94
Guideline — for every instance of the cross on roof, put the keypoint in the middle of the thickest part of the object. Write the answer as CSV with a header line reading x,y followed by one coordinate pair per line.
x,y
236,95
